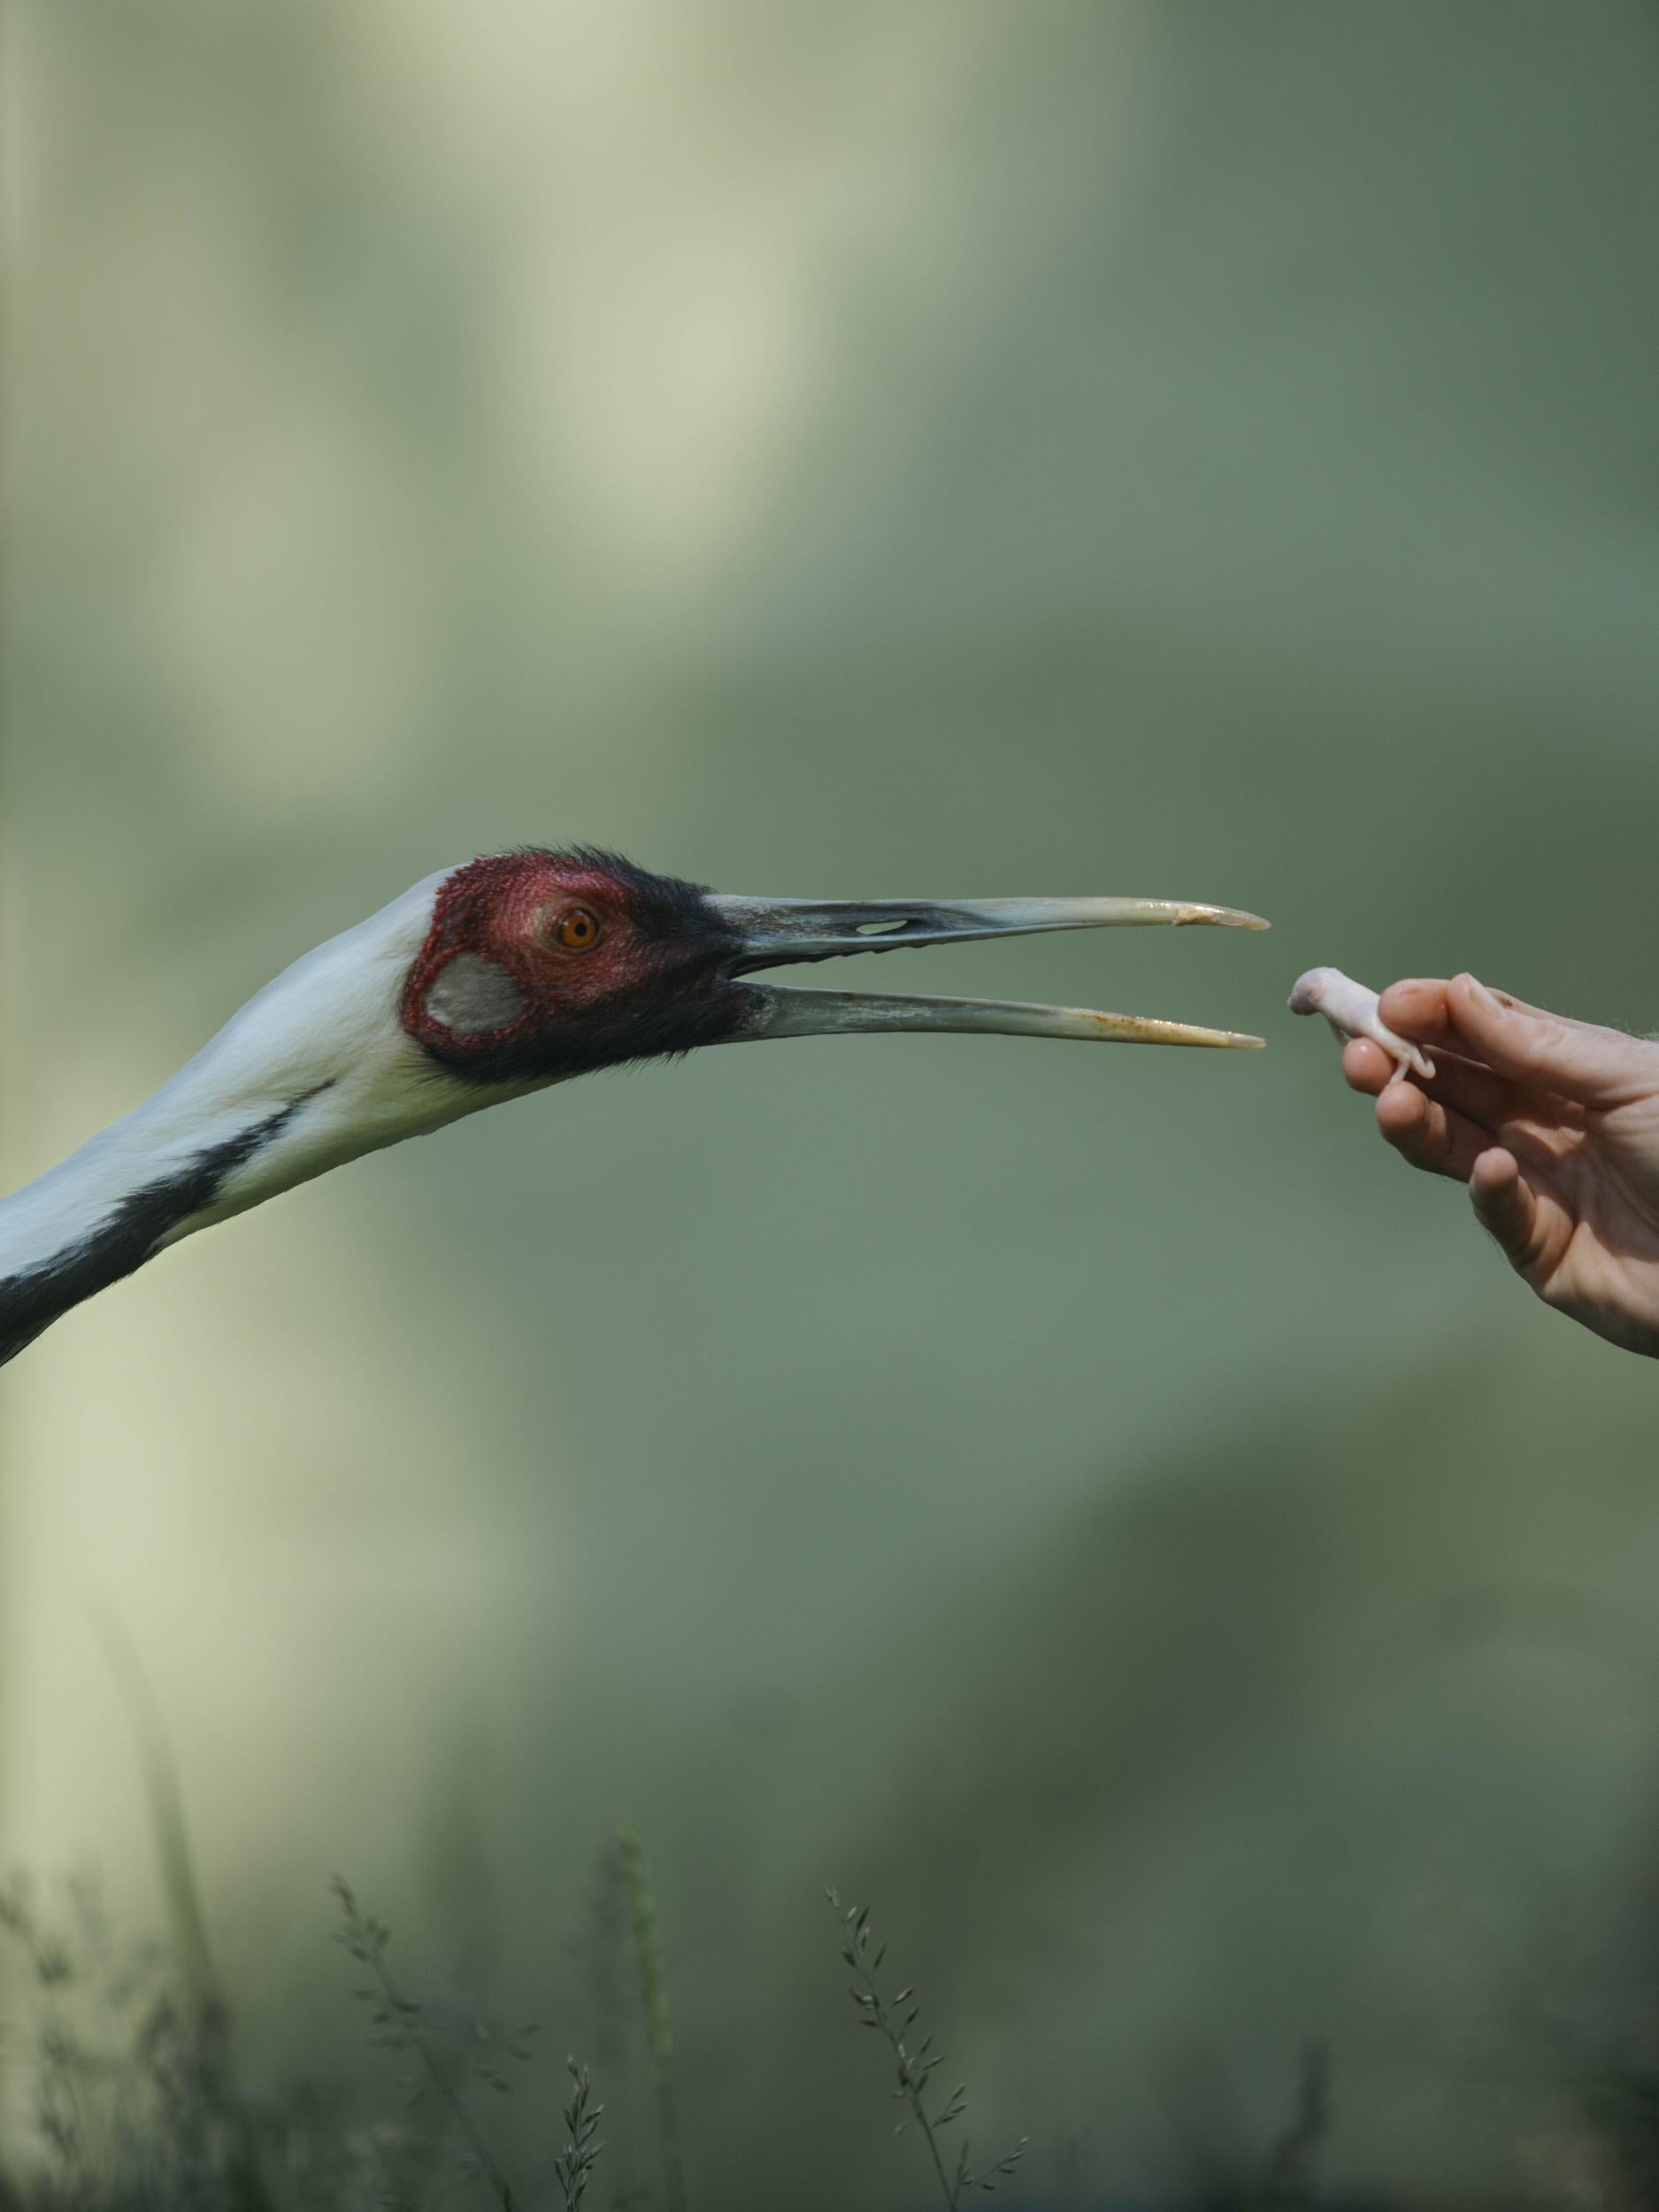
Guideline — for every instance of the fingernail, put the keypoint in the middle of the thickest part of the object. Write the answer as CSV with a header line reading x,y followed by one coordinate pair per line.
x,y
1489,1001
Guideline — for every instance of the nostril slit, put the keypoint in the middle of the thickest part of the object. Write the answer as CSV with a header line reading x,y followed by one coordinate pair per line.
x,y
883,929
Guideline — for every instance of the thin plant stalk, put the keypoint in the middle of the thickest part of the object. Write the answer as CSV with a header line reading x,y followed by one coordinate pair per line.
x,y
366,1939
164,1793
647,1952
574,2168
894,2019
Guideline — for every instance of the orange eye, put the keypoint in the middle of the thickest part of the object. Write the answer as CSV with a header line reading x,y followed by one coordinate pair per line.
x,y
577,928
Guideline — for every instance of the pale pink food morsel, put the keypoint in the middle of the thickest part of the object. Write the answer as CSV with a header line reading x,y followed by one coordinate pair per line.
x,y
1351,1010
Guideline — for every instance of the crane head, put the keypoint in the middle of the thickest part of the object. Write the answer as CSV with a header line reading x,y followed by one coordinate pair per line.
x,y
484,982
543,965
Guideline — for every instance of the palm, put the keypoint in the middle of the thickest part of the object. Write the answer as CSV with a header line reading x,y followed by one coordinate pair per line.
x,y
1595,1179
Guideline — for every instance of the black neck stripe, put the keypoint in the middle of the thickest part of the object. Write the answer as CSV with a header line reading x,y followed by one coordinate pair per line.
x,y
30,1302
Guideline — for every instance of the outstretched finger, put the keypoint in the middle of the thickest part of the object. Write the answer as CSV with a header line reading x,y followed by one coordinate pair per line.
x,y
1435,1137
1505,1206
1545,1052
1474,1091
1365,1066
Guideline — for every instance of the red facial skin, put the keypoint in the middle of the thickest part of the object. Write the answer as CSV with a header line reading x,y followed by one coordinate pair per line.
x,y
648,983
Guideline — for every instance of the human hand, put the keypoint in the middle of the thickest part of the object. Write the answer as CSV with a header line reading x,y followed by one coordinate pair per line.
x,y
1554,1126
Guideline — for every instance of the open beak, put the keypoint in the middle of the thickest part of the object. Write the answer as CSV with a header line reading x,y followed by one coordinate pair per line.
x,y
777,932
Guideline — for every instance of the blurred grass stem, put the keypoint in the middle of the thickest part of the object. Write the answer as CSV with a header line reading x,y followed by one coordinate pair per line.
x,y
647,1952
164,1794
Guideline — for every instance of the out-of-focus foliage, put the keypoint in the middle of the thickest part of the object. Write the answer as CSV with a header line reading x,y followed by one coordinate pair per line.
x,y
1092,1500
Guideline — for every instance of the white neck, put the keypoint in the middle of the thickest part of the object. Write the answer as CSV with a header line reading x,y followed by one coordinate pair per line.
x,y
313,1071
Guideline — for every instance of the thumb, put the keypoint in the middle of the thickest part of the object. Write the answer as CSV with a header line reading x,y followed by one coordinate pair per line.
x,y
1544,1051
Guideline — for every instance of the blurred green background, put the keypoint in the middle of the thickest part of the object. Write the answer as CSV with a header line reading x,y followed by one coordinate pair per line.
x,y
1094,1505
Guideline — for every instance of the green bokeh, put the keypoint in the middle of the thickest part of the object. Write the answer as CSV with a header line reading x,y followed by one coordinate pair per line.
x,y
1092,1503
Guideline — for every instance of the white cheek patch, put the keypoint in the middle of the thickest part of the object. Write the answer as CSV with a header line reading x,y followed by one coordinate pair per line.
x,y
473,994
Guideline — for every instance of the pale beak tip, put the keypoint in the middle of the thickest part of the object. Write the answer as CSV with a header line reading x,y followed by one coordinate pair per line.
x,y
1221,917
1151,1029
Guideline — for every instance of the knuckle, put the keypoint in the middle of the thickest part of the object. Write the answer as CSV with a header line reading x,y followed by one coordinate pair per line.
x,y
1417,1148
